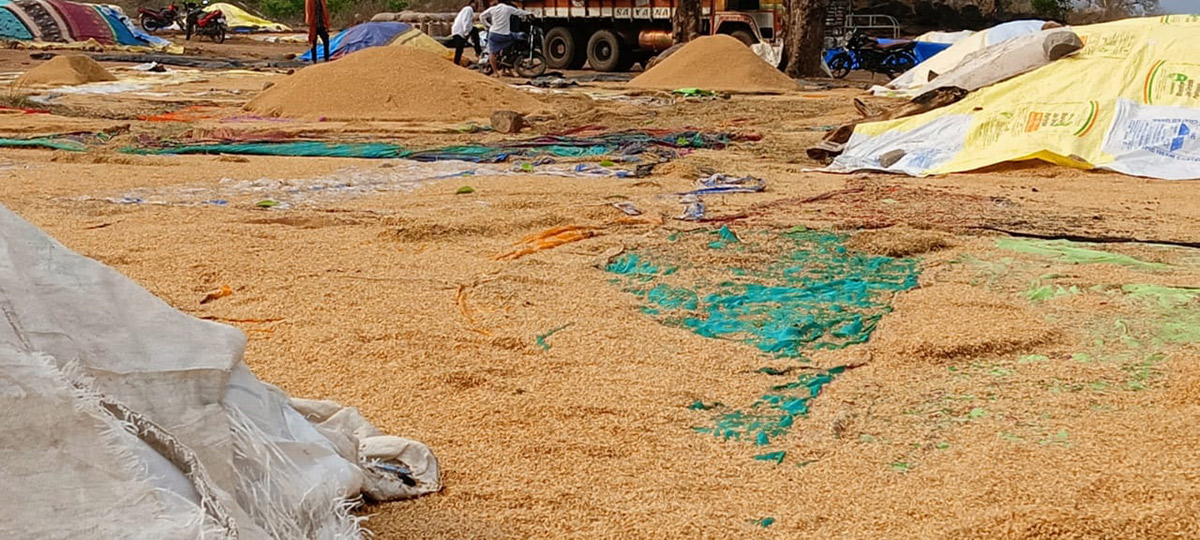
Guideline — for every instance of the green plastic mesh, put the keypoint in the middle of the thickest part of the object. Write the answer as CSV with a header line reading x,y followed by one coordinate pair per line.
x,y
788,293
1073,252
816,295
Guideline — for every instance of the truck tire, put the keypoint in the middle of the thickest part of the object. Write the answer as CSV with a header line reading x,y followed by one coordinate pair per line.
x,y
562,50
744,36
606,52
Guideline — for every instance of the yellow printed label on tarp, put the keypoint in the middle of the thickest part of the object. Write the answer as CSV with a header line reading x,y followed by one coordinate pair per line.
x,y
1128,101
1172,83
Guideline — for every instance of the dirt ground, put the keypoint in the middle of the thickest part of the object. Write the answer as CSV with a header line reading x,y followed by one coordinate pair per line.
x,y
1018,392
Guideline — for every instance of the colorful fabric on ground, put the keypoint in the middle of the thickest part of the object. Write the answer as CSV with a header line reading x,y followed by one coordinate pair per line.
x,y
53,144
11,27
625,143
84,22
42,22
294,148
1128,102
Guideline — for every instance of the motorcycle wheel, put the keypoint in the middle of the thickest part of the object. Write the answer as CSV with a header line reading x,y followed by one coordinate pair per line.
x,y
900,63
531,65
840,65
188,32
220,37
148,23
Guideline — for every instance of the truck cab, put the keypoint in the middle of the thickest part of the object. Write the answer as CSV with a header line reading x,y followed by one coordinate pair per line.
x,y
612,35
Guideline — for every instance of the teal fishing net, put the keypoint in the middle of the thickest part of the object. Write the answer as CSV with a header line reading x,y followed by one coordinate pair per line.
x,y
783,293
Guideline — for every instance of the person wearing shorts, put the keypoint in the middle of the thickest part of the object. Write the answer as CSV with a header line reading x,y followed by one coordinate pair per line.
x,y
498,20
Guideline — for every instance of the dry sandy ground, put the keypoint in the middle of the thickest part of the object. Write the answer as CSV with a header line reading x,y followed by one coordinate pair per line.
x,y
977,412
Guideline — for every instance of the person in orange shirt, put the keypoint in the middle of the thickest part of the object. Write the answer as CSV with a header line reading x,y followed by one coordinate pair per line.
x,y
316,14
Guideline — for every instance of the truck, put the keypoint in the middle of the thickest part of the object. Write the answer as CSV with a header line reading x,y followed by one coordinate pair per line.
x,y
612,35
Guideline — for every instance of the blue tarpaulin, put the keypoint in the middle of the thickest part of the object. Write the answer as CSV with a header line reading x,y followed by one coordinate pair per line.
x,y
362,36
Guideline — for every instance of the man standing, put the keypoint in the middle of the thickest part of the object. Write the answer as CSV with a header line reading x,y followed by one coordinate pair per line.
x,y
463,32
498,20
316,14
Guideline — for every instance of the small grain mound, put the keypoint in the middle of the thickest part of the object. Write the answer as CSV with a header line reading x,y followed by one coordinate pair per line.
x,y
721,63
899,241
1183,384
66,70
389,83
954,321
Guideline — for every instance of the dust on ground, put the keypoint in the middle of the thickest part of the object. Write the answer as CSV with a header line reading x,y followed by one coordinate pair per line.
x,y
1023,389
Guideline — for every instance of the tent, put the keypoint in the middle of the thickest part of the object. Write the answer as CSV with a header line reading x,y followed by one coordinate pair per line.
x,y
121,417
378,34
1127,102
59,22
240,20
909,81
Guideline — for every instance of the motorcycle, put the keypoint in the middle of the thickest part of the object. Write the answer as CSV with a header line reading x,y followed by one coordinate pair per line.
x,y
865,52
204,23
158,19
525,55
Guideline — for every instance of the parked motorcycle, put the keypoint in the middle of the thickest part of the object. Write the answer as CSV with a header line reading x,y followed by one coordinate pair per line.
x,y
157,19
205,23
865,52
525,55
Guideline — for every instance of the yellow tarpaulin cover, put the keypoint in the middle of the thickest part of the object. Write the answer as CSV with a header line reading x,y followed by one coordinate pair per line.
x,y
1129,102
237,17
421,40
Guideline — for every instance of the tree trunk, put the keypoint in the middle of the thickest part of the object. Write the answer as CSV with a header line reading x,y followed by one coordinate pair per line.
x,y
685,23
803,38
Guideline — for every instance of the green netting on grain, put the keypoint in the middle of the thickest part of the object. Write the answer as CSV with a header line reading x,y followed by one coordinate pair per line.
x,y
53,144
774,413
817,295
1178,311
782,293
1073,252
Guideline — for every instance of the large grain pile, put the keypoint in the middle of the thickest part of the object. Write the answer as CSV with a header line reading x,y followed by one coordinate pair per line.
x,y
389,83
65,70
721,63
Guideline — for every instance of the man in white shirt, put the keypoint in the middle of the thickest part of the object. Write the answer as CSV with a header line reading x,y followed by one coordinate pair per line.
x,y
498,20
463,32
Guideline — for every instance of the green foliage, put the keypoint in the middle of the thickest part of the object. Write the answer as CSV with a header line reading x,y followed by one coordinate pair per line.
x,y
1051,9
293,10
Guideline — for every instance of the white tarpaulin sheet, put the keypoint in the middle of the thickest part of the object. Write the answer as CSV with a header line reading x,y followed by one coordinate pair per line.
x,y
121,417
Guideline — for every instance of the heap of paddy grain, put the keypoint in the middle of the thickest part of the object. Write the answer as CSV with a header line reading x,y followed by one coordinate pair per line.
x,y
951,322
389,83
66,70
720,63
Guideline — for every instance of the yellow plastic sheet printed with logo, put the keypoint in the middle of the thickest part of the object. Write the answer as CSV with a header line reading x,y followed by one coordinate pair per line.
x,y
1129,101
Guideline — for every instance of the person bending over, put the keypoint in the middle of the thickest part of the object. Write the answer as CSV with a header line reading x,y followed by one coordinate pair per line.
x,y
463,32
